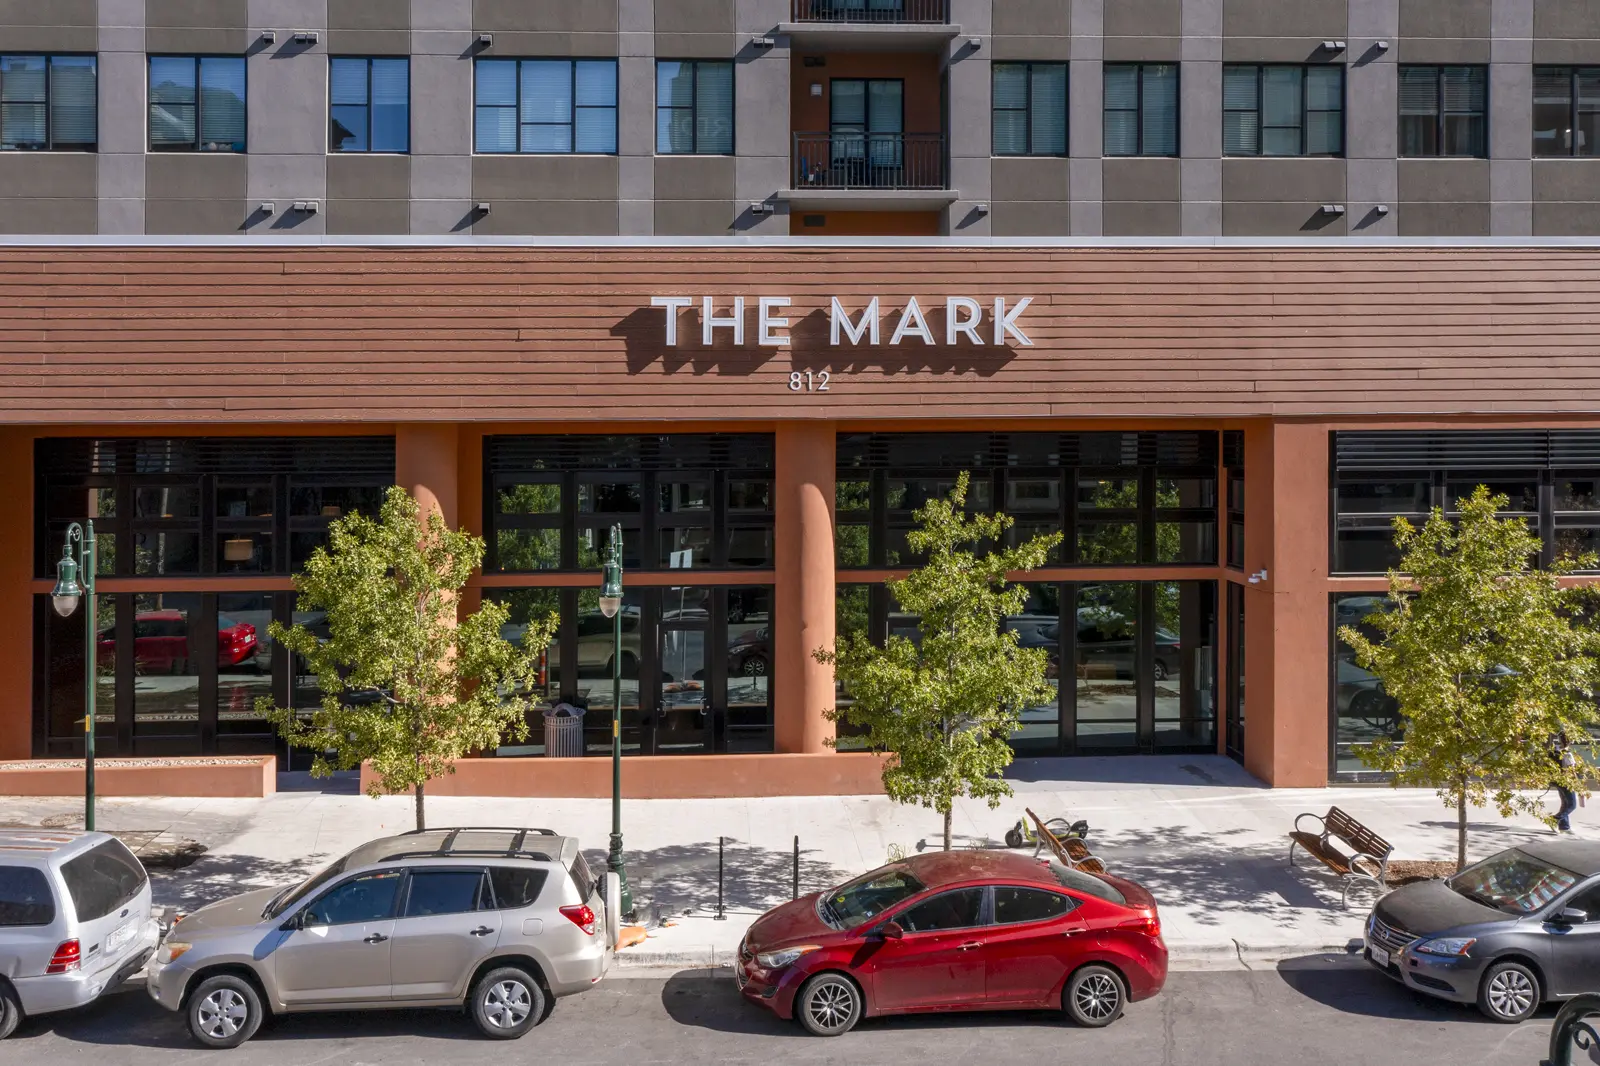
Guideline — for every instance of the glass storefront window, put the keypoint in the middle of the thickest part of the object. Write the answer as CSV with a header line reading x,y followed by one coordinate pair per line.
x,y
1185,664
1108,543
679,497
525,606
594,544
1235,699
1033,494
529,498
244,553
335,501
244,501
685,548
1522,494
751,547
169,644
166,501
592,668
1186,542
244,662
600,494
64,704
1106,660
1113,493
528,549
749,495
851,542
749,670
1039,626
1362,710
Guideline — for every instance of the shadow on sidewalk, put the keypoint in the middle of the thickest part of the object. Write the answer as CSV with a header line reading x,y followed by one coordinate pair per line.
x,y
681,877
216,877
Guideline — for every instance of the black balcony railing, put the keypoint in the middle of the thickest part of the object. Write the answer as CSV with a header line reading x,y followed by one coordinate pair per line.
x,y
869,161
873,11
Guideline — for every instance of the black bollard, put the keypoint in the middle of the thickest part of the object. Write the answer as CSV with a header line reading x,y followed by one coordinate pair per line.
x,y
795,894
722,913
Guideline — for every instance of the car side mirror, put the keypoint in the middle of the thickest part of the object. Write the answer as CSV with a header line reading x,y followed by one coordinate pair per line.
x,y
891,931
293,922
1572,916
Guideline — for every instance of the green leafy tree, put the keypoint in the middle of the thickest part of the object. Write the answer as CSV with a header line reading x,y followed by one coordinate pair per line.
x,y
406,685
944,706
1489,658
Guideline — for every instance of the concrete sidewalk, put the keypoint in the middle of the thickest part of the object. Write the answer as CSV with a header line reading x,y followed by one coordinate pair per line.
x,y
1207,839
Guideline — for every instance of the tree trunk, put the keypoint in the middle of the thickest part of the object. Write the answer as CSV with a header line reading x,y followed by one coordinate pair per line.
x,y
1461,828
947,830
421,822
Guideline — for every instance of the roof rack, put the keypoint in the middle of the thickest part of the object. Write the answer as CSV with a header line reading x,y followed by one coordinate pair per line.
x,y
483,829
472,853
447,847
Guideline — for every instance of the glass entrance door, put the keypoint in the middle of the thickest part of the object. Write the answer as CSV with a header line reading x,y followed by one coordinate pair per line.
x,y
683,715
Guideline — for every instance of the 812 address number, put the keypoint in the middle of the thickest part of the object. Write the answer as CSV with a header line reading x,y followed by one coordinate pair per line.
x,y
806,381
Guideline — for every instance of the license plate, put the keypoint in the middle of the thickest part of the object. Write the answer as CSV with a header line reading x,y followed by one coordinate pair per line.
x,y
120,936
1381,957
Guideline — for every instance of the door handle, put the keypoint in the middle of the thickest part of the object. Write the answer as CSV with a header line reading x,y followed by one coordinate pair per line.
x,y
969,945
375,938
482,930
1071,932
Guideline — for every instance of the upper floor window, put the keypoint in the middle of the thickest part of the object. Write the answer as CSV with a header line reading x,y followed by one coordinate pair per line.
x,y
547,106
369,105
1444,111
197,104
694,107
1566,111
1282,110
1030,108
47,103
1141,109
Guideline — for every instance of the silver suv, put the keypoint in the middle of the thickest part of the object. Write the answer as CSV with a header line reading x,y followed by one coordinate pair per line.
x,y
75,920
501,921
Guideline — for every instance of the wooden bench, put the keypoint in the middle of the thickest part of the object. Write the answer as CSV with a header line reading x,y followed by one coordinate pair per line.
x,y
1070,851
1369,853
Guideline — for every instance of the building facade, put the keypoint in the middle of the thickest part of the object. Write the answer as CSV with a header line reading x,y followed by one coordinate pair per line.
x,y
1214,288
806,117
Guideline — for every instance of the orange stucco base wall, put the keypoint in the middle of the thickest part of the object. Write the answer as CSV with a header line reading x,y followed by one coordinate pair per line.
x,y
665,777
241,778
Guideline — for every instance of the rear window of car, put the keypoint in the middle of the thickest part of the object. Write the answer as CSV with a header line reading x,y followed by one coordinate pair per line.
x,y
102,879
25,897
1078,881
582,877
515,886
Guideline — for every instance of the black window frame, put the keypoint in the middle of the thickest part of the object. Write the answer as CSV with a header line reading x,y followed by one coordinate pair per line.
x,y
1441,115
1027,109
368,60
1305,111
1574,72
197,58
572,120
1138,111
48,104
694,106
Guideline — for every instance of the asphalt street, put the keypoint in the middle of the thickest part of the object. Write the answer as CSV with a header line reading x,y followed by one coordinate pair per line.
x,y
1311,1011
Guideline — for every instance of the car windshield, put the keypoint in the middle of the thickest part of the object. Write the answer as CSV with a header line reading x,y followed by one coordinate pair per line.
x,y
867,896
289,897
1513,881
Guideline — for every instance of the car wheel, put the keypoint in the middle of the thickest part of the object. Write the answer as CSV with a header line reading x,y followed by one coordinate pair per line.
x,y
224,1011
1509,993
1159,670
1094,996
10,1011
755,666
828,1005
1014,838
506,1003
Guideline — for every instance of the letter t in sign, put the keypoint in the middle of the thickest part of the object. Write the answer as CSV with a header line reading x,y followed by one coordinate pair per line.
x,y
673,304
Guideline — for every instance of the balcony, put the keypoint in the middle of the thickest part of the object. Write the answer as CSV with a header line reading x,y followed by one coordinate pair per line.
x,y
870,172
875,25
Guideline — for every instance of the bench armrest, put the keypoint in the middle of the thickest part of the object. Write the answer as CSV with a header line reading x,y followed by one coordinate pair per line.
x,y
1322,825
1382,865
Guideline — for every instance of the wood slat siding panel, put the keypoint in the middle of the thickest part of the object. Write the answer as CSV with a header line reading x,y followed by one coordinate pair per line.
x,y
261,334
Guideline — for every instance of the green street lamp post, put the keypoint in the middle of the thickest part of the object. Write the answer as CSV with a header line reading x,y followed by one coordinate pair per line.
x,y
64,597
611,607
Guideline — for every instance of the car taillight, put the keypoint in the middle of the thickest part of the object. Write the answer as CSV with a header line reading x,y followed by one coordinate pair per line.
x,y
66,959
581,916
1150,926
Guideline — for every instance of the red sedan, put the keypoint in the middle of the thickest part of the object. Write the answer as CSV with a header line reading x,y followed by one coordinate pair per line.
x,y
954,931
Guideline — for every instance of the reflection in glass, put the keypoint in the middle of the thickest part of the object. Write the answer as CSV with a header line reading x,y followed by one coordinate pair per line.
x,y
594,541
1184,665
684,496
851,543
749,495
749,680
1363,711
685,548
541,498
596,496
910,494
525,606
244,553
1108,543
1039,626
596,640
528,549
1522,496
161,552
65,708
752,547
167,501
682,696
1186,542
1106,656
166,684
244,661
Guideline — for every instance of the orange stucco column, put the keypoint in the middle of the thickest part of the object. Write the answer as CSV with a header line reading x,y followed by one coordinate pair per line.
x,y
426,464
1286,616
805,593
16,601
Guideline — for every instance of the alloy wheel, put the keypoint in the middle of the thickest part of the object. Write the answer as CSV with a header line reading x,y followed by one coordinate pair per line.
x,y
1097,996
1511,993
507,1004
222,1013
832,1005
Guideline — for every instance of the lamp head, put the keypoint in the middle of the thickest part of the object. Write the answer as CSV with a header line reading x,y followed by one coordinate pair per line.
x,y
65,596
611,585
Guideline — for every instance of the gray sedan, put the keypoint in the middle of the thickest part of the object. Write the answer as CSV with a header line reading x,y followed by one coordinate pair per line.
x,y
1516,930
